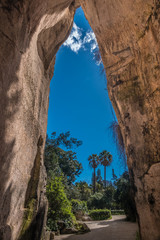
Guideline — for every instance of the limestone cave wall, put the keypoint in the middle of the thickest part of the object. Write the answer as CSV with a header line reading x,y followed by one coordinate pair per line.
x,y
30,35
128,34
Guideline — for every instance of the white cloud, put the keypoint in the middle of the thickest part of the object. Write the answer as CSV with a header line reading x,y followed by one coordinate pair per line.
x,y
90,37
93,47
74,41
77,41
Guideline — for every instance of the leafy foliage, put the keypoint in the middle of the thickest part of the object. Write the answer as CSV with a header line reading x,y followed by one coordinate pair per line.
x,y
84,190
117,196
123,196
105,159
99,178
60,162
78,205
100,214
108,197
103,199
59,206
67,198
62,169
69,165
94,162
64,140
95,201
117,212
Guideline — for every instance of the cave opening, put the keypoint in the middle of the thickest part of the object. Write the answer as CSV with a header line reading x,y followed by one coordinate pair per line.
x,y
79,100
31,33
79,105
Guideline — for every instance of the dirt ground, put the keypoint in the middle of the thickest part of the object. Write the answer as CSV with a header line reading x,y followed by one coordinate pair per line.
x,y
115,229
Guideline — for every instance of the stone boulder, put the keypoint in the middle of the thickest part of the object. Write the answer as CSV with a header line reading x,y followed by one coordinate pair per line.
x,y
82,227
86,218
69,231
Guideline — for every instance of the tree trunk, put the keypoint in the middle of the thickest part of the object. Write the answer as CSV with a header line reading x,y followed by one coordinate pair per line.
x,y
105,176
94,181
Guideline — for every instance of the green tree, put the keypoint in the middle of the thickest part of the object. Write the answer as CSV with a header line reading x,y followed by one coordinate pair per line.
x,y
99,177
59,161
72,191
105,159
69,164
59,206
84,189
63,139
96,201
62,169
108,197
124,196
94,162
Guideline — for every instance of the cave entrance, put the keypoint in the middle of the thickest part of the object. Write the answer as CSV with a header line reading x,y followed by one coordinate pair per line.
x,y
79,100
79,103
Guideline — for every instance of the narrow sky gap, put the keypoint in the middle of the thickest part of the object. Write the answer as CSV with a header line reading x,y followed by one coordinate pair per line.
x,y
79,101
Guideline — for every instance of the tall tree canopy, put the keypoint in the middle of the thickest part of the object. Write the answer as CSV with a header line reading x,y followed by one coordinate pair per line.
x,y
105,159
59,161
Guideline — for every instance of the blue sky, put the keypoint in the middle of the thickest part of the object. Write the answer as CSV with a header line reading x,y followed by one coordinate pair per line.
x,y
79,101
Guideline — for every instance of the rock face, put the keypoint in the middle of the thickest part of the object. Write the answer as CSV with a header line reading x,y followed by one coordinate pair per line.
x,y
30,35
128,33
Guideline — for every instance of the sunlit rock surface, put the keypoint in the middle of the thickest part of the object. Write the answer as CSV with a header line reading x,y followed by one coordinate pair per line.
x,y
30,35
128,33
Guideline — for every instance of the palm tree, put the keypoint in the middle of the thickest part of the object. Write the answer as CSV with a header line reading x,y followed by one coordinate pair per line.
x,y
84,189
105,159
94,162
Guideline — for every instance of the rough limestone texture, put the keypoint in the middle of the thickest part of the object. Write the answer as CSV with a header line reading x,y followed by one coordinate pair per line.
x,y
128,33
30,35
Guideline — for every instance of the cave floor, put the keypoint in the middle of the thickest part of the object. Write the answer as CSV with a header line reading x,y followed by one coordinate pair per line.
x,y
115,229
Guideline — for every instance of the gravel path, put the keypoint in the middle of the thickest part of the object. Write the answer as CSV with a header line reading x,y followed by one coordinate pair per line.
x,y
115,229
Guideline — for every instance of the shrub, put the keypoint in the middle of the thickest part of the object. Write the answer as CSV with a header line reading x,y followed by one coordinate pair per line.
x,y
79,206
96,201
124,196
59,206
100,214
117,212
103,200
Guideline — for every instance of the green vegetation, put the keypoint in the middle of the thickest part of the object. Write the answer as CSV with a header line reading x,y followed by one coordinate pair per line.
x,y
124,196
62,168
60,162
94,162
59,206
117,212
79,206
100,214
106,160
84,190
68,200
